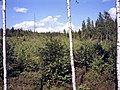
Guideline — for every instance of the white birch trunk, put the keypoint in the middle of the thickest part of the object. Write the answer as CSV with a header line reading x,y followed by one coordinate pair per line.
x,y
4,43
118,42
71,50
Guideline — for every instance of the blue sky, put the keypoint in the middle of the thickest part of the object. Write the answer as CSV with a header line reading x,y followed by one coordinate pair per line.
x,y
51,15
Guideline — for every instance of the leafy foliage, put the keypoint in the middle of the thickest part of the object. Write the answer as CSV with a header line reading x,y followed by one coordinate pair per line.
x,y
56,64
12,65
83,87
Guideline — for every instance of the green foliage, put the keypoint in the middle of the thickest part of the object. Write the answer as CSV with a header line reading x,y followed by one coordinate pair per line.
x,y
83,87
56,64
12,65
27,56
84,30
104,29
98,59
89,28
80,35
84,55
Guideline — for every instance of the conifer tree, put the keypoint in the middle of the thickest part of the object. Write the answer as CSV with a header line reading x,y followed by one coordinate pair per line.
x,y
84,32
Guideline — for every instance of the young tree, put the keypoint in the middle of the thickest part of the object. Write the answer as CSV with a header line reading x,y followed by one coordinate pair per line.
x,y
12,64
84,31
109,26
56,70
92,29
89,28
84,55
80,35
100,28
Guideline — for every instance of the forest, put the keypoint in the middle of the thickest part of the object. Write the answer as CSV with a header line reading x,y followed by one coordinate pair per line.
x,y
41,61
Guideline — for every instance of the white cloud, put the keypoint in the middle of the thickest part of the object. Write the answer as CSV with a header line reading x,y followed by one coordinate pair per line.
x,y
48,24
21,10
49,19
25,25
66,26
105,0
112,12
